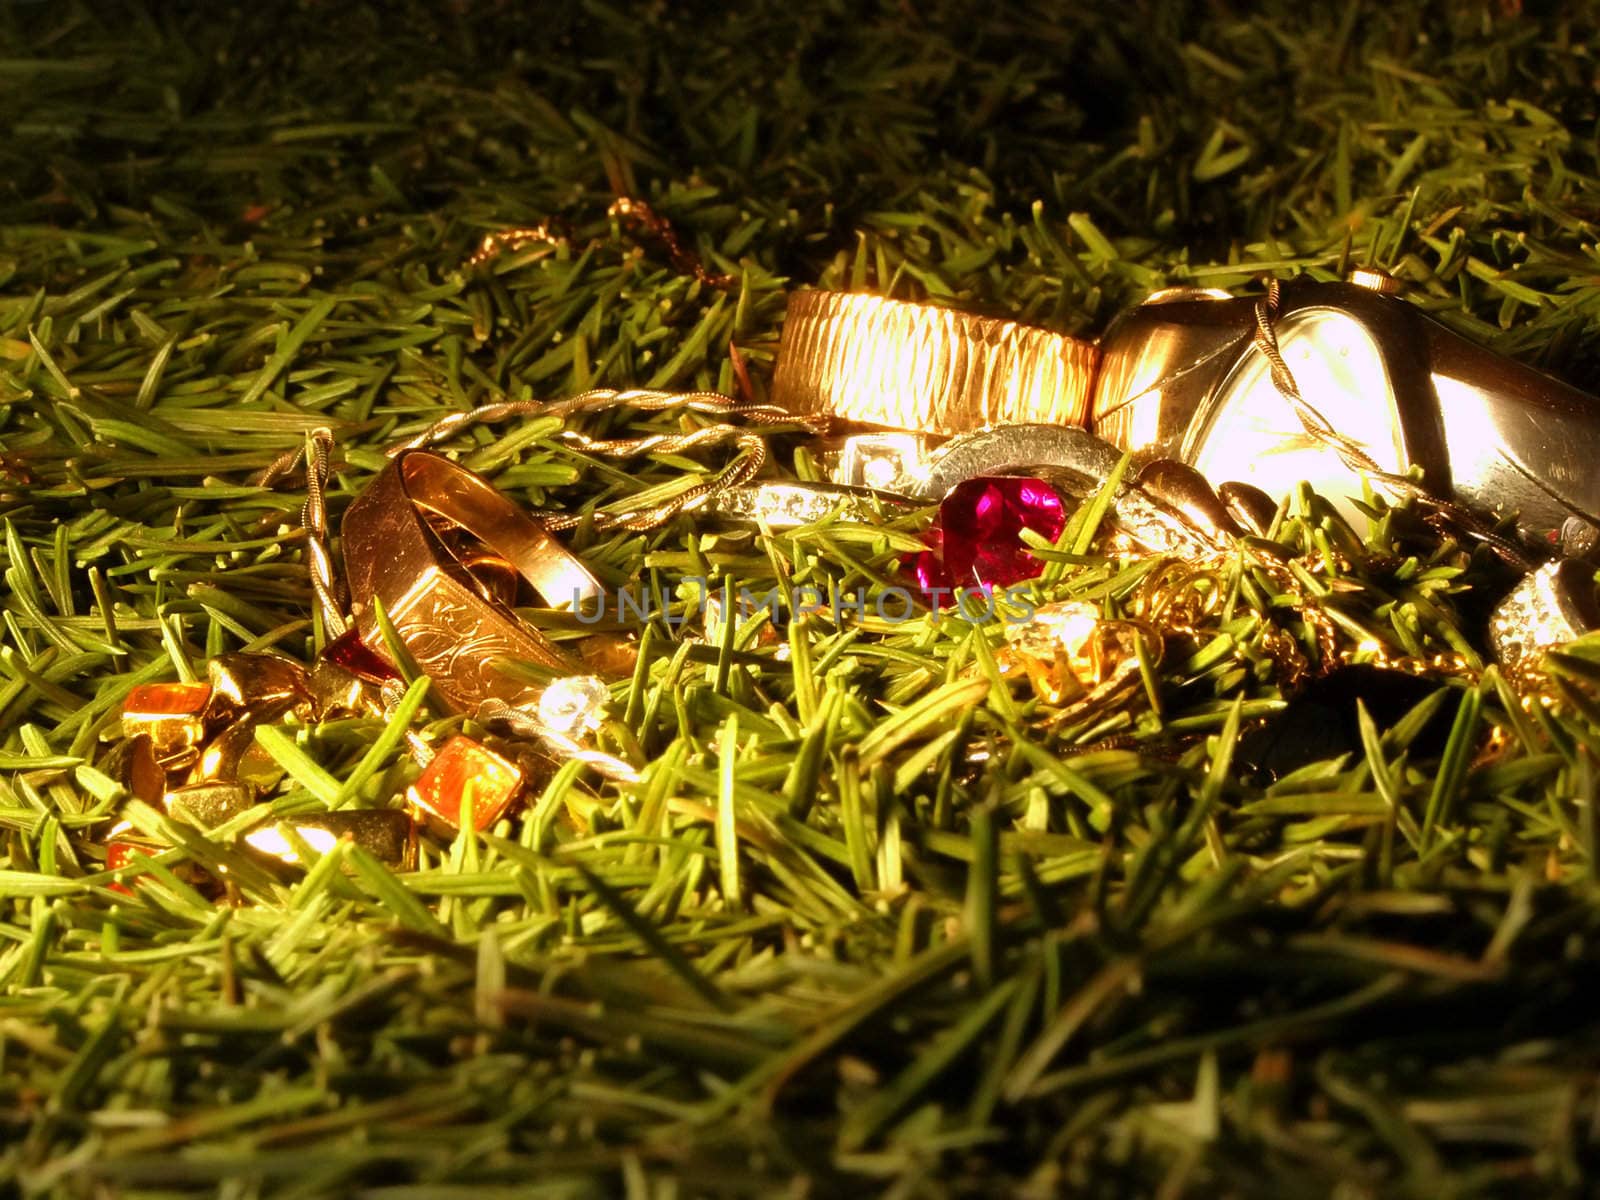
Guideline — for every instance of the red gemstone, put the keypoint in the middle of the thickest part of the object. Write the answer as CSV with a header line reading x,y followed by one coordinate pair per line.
x,y
361,660
119,855
978,535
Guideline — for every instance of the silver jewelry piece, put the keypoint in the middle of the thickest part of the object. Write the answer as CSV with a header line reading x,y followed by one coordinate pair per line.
x,y
784,506
1549,607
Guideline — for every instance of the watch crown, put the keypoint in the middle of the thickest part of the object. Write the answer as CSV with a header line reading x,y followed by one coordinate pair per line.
x,y
1375,280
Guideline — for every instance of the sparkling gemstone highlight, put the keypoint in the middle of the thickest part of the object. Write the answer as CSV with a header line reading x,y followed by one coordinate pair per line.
x,y
574,705
977,540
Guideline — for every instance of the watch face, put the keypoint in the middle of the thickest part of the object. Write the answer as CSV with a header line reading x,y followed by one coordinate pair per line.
x,y
1249,432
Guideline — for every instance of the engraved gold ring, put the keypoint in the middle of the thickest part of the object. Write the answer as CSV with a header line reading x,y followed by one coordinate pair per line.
x,y
453,626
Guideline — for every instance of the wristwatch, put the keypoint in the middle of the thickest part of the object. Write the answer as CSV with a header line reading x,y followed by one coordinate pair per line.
x,y
1184,376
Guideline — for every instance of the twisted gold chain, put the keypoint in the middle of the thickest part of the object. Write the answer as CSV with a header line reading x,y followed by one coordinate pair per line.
x,y
750,442
317,454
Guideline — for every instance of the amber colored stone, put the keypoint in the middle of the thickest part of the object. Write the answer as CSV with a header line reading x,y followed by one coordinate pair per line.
x,y
171,714
124,843
119,855
167,700
466,770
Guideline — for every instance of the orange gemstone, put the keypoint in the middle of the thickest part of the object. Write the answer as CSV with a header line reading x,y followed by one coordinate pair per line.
x,y
463,771
119,855
170,713
167,700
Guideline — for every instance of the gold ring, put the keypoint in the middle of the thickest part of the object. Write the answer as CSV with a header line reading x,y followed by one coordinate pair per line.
x,y
454,627
920,367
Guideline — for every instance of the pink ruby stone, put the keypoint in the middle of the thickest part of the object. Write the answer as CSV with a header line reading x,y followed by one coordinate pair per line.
x,y
978,535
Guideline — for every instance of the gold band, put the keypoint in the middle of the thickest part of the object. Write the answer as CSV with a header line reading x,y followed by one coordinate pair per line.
x,y
920,367
450,624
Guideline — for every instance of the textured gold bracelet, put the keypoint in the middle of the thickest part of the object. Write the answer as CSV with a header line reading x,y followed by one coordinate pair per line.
x,y
917,366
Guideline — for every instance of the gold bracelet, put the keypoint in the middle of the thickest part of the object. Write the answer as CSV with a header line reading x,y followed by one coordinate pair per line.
x,y
456,630
919,367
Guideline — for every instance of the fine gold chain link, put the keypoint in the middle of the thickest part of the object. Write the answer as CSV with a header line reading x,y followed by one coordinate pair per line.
x,y
635,212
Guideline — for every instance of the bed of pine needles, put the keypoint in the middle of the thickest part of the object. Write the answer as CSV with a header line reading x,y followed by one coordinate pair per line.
x,y
876,921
